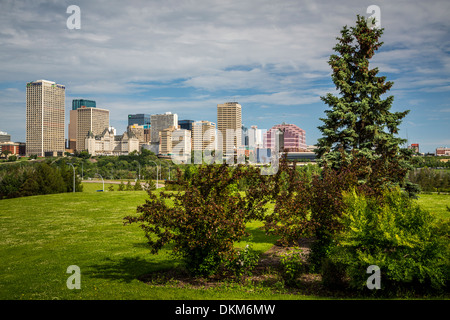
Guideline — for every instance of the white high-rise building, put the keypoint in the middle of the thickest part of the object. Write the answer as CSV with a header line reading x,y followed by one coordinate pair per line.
x,y
45,118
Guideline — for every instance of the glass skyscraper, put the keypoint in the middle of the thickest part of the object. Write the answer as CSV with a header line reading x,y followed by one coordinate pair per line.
x,y
139,119
185,124
79,103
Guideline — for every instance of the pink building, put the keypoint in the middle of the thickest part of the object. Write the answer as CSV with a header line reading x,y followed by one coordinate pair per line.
x,y
294,138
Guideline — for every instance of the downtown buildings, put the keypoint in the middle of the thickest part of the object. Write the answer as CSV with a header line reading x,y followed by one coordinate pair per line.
x,y
162,133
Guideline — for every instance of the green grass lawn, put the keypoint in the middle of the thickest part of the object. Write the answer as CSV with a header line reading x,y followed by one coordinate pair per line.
x,y
436,203
41,236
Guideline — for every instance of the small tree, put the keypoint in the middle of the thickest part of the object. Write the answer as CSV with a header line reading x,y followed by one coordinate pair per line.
x,y
129,187
150,185
137,186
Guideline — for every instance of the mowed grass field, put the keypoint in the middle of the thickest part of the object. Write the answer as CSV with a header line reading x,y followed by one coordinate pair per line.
x,y
41,236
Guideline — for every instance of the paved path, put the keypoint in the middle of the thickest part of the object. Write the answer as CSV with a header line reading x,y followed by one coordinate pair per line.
x,y
118,182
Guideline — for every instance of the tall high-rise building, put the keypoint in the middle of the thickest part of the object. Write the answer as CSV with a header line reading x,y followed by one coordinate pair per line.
x,y
203,135
94,120
45,118
140,119
160,122
229,126
73,121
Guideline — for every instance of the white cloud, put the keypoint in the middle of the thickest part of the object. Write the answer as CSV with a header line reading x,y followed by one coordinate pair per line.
x,y
277,51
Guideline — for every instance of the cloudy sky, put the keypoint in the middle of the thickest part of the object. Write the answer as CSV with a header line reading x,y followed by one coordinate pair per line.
x,y
187,56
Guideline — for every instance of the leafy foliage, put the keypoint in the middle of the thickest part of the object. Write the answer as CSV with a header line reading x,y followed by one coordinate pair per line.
x,y
204,221
243,262
37,179
396,235
291,266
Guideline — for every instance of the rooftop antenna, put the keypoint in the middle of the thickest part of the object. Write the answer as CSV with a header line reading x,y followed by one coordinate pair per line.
x,y
407,140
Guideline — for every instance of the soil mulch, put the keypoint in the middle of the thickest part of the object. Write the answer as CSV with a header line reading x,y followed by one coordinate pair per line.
x,y
266,274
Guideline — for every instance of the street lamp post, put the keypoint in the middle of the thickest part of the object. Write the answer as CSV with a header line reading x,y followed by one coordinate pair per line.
x,y
73,176
139,171
157,171
102,181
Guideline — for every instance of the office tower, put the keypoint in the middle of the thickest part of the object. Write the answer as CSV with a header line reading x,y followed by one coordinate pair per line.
x,y
255,137
229,126
4,137
160,122
139,119
203,135
294,138
181,145
73,122
185,124
83,103
165,140
244,136
94,120
45,118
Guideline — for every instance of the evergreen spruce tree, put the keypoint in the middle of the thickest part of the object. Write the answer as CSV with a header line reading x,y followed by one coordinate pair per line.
x,y
359,121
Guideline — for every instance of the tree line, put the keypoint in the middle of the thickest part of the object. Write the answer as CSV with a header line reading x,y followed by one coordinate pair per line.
x,y
37,179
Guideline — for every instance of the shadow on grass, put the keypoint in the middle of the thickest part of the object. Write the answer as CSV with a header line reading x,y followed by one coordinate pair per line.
x,y
126,269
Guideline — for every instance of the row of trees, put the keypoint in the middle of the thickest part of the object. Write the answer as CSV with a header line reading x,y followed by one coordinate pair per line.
x,y
431,180
37,179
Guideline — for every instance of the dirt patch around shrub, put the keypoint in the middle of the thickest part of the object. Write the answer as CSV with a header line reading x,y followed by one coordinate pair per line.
x,y
266,274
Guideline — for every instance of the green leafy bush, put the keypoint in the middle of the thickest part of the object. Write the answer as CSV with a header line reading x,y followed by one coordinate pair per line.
x,y
205,220
398,236
291,266
243,262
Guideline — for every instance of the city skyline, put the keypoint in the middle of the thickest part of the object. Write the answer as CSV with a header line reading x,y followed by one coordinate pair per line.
x,y
155,57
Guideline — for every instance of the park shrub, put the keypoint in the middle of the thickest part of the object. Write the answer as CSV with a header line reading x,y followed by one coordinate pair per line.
x,y
396,235
291,266
243,262
205,219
